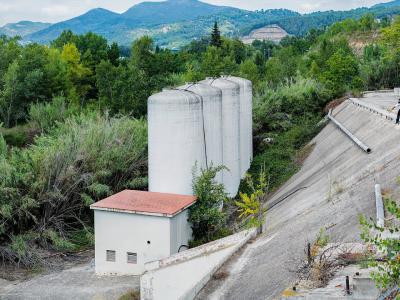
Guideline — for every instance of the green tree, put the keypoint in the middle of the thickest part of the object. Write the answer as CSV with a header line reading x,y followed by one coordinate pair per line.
x,y
9,98
143,56
216,40
215,64
77,74
367,22
249,70
113,54
122,89
206,217
342,71
391,35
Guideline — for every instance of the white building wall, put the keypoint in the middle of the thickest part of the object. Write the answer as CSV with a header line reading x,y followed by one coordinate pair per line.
x,y
181,232
124,233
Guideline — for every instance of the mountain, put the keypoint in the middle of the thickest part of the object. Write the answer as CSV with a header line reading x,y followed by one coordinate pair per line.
x,y
93,21
171,23
300,25
174,23
22,28
387,4
172,11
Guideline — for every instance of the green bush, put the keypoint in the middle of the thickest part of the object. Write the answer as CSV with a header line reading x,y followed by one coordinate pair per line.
x,y
207,219
48,186
387,270
46,115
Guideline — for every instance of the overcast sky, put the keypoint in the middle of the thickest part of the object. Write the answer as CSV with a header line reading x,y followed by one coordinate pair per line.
x,y
58,10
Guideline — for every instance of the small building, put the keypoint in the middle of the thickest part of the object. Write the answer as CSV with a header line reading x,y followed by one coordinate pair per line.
x,y
136,227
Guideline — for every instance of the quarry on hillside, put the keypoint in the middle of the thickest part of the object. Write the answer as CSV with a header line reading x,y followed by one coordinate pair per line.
x,y
273,33
332,189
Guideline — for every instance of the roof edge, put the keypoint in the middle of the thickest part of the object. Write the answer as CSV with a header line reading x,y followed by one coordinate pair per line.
x,y
154,214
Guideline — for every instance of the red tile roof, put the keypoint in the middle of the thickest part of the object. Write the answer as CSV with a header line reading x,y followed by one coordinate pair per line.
x,y
145,203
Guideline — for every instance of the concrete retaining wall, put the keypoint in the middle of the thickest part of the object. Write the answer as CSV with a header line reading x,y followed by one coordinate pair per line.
x,y
183,275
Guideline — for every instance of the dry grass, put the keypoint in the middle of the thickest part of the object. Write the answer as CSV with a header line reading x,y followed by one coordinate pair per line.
x,y
221,275
334,103
304,153
131,295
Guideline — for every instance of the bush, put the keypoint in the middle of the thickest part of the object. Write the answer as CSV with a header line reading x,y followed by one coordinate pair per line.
x,y
206,217
387,273
47,187
46,115
19,136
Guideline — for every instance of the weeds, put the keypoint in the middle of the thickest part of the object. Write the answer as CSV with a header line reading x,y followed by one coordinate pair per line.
x,y
131,295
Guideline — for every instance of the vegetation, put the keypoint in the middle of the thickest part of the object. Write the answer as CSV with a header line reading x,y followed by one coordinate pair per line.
x,y
250,205
206,216
387,274
187,20
73,118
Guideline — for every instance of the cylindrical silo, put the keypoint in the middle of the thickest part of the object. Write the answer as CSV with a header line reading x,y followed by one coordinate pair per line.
x,y
212,118
175,141
246,122
230,132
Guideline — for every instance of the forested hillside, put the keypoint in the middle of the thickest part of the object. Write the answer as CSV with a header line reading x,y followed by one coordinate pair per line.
x,y
174,23
73,116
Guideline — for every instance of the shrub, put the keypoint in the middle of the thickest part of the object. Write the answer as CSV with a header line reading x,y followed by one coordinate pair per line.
x,y
48,187
46,115
206,217
387,272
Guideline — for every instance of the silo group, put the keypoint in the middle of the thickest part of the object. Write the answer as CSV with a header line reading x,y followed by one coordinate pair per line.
x,y
200,125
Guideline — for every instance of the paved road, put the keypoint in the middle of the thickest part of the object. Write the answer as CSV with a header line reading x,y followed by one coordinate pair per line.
x,y
340,182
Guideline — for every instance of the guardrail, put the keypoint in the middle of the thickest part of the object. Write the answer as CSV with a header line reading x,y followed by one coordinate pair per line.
x,y
374,109
349,134
378,91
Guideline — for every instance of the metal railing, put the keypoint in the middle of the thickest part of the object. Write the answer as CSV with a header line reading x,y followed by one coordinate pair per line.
x,y
374,109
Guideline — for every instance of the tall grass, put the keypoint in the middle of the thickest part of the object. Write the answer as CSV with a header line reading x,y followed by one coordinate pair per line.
x,y
47,188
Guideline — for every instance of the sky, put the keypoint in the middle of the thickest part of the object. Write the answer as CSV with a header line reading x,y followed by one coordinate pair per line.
x,y
59,10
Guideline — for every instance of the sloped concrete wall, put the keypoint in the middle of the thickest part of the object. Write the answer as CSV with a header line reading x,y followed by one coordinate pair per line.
x,y
183,275
334,186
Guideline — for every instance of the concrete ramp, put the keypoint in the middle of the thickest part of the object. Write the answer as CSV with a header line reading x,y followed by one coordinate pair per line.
x,y
334,186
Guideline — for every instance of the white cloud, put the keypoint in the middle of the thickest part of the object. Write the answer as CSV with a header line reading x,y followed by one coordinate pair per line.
x,y
58,10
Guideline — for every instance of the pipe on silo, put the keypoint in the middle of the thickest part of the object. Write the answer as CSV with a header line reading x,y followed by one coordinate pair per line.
x,y
246,122
175,141
212,119
230,132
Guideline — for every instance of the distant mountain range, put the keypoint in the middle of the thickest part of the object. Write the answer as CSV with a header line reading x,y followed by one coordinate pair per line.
x,y
174,23
23,28
388,4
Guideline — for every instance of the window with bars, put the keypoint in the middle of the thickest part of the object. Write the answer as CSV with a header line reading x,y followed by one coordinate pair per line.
x,y
131,258
110,255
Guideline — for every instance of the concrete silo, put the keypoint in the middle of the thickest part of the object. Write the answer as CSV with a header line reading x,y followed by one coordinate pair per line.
x,y
230,132
246,122
175,140
212,118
